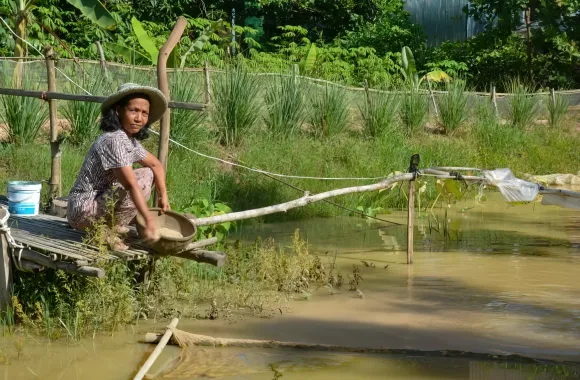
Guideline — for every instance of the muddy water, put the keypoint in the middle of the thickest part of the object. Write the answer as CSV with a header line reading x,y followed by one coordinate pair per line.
x,y
503,280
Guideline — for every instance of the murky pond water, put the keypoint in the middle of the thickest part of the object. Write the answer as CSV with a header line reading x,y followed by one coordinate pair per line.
x,y
497,280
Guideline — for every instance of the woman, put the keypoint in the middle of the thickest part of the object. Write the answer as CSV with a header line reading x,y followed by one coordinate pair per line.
x,y
107,172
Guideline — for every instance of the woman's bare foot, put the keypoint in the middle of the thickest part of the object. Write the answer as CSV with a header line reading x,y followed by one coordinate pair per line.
x,y
115,242
122,230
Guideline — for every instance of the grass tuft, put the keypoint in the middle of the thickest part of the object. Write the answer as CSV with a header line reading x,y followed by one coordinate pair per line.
x,y
453,106
329,114
557,111
524,105
414,111
236,104
378,113
286,105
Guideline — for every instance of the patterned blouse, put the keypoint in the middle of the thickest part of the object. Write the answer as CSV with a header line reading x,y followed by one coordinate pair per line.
x,y
111,150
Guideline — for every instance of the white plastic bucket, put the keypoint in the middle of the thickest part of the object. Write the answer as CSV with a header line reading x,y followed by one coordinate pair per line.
x,y
24,197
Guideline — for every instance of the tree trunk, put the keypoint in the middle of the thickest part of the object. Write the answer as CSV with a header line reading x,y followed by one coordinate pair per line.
x,y
20,48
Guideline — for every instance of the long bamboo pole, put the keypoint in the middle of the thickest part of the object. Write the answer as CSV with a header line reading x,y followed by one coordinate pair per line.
x,y
163,83
55,152
155,354
86,98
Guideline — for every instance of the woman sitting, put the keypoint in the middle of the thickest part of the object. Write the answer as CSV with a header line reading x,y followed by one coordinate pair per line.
x,y
107,172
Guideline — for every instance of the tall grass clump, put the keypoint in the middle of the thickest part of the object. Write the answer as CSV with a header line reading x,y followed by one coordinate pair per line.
x,y
453,106
329,112
22,117
557,111
187,125
378,113
524,106
84,116
236,105
286,105
414,111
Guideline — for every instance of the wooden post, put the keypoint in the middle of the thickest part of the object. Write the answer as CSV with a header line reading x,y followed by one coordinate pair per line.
x,y
207,83
163,83
155,354
494,101
433,98
5,274
55,152
295,73
410,221
102,59
553,94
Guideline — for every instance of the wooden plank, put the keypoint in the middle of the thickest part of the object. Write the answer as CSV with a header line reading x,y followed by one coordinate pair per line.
x,y
5,275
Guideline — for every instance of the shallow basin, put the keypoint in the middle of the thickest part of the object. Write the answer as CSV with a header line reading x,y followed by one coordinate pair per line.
x,y
179,231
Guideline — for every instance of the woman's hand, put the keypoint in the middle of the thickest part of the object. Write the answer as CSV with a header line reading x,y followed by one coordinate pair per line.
x,y
164,203
151,231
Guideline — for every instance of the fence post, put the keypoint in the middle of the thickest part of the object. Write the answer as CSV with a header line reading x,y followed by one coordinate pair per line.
x,y
55,152
433,98
410,222
207,83
295,73
102,59
5,274
553,94
494,101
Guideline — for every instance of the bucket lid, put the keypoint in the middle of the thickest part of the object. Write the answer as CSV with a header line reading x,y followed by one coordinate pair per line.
x,y
28,184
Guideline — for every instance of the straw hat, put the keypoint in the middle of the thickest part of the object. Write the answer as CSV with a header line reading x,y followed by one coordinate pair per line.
x,y
158,101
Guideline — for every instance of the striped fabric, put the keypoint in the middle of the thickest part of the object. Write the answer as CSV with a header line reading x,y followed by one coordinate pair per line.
x,y
111,150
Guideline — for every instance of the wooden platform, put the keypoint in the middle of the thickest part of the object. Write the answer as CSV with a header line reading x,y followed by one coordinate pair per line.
x,y
52,235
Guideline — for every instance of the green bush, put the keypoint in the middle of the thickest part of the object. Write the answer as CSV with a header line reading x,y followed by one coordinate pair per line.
x,y
286,104
453,106
378,113
329,111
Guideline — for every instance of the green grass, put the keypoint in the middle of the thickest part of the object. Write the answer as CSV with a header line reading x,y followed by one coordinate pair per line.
x,y
378,113
524,106
186,126
329,111
286,104
557,111
453,112
23,117
84,116
414,111
236,105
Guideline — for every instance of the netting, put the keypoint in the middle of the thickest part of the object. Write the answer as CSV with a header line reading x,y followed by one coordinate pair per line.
x,y
85,73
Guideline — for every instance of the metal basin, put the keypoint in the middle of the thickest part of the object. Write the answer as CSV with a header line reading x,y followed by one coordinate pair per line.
x,y
167,245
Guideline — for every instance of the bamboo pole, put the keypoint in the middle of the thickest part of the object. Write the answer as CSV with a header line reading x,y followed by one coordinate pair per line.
x,y
553,95
186,339
155,354
207,83
102,59
55,152
494,101
86,98
410,222
163,84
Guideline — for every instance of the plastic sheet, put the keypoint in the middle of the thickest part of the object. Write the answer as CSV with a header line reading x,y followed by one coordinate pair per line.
x,y
512,189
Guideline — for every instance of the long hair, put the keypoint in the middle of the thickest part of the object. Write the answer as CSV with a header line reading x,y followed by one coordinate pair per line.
x,y
110,121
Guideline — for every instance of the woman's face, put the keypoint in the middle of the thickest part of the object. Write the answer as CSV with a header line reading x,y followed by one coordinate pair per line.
x,y
134,115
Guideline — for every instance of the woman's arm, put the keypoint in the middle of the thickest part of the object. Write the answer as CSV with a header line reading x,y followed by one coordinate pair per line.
x,y
126,178
150,161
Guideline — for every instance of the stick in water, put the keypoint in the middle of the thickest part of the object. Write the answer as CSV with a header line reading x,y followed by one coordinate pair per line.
x,y
155,354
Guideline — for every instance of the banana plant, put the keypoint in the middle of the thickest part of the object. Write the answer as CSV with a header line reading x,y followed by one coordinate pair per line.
x,y
308,62
411,75
22,14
